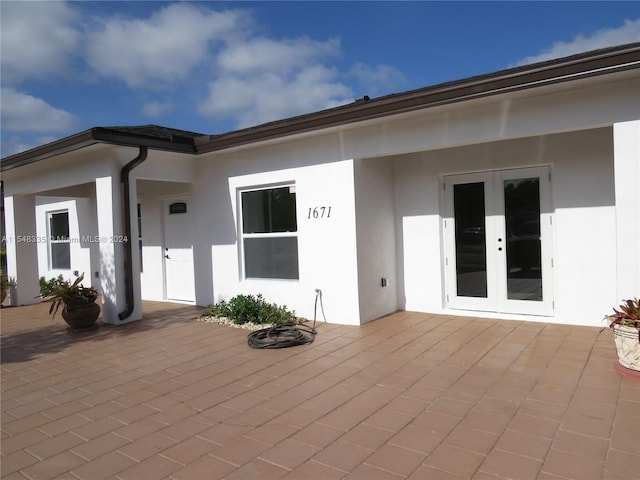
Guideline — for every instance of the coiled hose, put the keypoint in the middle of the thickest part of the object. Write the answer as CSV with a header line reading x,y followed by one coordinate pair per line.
x,y
288,334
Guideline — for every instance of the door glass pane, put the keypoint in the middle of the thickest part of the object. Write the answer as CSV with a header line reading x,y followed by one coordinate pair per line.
x,y
522,218
471,254
178,207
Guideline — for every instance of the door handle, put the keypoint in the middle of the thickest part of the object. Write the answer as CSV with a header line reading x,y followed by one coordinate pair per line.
x,y
167,256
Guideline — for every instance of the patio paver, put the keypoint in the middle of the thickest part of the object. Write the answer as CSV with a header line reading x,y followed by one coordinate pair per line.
x,y
408,396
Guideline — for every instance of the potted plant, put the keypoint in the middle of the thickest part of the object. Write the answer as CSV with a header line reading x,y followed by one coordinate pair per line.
x,y
79,309
625,322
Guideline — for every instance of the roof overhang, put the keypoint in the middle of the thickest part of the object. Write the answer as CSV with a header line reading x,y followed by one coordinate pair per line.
x,y
105,135
573,68
567,69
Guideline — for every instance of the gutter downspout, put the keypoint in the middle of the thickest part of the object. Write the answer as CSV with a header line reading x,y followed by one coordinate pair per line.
x,y
128,249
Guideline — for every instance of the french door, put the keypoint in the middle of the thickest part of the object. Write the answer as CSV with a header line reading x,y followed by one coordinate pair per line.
x,y
498,241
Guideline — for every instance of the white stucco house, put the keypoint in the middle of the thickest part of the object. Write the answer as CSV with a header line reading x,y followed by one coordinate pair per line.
x,y
512,195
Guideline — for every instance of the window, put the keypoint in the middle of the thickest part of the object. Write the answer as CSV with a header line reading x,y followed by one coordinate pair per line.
x,y
177,208
59,241
269,233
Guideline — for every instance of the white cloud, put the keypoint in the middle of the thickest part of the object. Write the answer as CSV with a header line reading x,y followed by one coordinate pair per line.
x,y
13,144
250,78
377,79
272,95
24,113
164,48
38,39
629,32
155,109
260,79
263,54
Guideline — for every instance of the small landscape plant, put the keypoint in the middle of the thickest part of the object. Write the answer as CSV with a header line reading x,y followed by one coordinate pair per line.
x,y
243,309
627,314
48,286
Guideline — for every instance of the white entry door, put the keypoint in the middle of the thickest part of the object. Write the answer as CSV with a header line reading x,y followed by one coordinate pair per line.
x,y
178,249
498,241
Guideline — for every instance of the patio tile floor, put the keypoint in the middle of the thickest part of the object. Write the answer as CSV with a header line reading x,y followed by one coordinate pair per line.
x,y
409,396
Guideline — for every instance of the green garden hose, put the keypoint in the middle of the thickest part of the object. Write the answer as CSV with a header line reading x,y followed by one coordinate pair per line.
x,y
288,334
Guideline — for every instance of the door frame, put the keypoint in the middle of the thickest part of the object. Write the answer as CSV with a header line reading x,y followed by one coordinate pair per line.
x,y
497,300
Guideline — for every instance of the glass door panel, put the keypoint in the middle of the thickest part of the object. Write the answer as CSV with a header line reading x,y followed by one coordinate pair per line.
x,y
470,240
523,242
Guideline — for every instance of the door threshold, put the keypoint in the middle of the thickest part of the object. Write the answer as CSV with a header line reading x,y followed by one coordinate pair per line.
x,y
502,316
184,302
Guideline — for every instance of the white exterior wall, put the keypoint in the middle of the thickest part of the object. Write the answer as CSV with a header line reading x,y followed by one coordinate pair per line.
x,y
515,131
81,226
376,238
627,179
326,246
584,219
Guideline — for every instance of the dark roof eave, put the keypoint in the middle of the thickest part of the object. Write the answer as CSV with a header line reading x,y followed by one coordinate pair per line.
x,y
91,137
175,144
511,80
64,145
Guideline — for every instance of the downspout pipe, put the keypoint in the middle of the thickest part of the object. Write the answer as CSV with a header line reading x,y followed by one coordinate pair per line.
x,y
128,245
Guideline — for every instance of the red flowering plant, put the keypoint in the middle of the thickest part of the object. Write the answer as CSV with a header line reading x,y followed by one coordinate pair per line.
x,y
627,314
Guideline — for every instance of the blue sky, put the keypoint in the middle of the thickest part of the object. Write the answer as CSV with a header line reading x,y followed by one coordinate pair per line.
x,y
212,67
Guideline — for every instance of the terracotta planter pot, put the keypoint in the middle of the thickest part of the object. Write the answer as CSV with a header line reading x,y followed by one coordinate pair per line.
x,y
81,316
627,346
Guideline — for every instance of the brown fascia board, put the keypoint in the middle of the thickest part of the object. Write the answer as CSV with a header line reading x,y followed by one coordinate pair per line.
x,y
64,145
95,135
579,66
176,143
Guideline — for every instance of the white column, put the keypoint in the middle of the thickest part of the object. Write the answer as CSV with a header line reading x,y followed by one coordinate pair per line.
x,y
109,215
626,147
22,255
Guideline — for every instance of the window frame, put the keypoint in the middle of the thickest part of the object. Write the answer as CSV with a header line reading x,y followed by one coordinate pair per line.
x,y
51,241
244,236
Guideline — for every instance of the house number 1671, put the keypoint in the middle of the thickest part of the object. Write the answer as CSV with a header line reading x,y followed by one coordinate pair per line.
x,y
319,212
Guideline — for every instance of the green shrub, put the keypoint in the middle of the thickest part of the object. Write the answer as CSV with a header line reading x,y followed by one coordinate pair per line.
x,y
243,309
47,286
